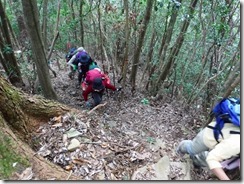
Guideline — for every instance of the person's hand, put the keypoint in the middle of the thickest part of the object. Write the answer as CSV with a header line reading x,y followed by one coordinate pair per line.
x,y
74,67
119,89
88,104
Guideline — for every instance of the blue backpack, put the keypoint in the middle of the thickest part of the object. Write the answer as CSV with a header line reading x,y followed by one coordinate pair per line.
x,y
226,111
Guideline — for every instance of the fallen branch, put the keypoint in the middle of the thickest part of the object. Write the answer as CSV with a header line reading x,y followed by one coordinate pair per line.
x,y
98,106
69,175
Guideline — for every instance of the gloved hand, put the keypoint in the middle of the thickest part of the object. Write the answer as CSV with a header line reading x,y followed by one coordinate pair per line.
x,y
119,89
88,104
74,67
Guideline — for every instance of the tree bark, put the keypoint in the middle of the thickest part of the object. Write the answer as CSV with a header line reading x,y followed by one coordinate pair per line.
x,y
176,48
31,19
10,63
44,24
23,111
42,168
19,116
140,42
81,22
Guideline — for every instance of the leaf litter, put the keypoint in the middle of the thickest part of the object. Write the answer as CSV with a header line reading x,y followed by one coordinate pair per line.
x,y
113,141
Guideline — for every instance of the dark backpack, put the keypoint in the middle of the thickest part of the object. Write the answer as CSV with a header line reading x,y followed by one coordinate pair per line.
x,y
226,111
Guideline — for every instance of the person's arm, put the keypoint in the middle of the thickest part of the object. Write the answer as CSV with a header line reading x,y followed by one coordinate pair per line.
x,y
86,92
226,149
110,86
220,173
71,60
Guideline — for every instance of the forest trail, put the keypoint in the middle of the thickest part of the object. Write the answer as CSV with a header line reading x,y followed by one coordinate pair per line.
x,y
120,137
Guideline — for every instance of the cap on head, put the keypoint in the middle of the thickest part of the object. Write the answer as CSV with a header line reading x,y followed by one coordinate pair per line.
x,y
83,57
97,84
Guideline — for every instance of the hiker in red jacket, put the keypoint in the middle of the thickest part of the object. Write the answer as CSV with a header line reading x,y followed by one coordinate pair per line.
x,y
95,83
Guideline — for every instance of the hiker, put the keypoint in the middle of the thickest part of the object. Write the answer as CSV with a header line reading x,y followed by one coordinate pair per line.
x,y
205,151
82,62
68,56
85,63
96,82
71,52
73,61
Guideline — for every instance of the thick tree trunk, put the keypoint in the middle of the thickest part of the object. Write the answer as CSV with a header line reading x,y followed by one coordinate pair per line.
x,y
33,26
42,169
23,112
20,113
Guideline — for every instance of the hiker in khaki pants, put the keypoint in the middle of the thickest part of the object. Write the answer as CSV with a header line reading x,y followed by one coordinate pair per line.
x,y
205,151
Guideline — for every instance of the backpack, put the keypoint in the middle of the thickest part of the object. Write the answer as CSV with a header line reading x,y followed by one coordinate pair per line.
x,y
226,111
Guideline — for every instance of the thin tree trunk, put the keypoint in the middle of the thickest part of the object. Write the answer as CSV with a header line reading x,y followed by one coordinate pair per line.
x,y
81,23
149,65
176,48
229,89
127,34
140,43
13,70
56,34
44,23
73,17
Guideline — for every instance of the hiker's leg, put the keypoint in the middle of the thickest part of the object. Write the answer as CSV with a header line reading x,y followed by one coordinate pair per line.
x,y
97,97
199,160
71,73
79,77
192,147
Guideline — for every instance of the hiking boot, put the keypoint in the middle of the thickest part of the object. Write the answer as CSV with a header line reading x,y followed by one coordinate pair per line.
x,y
182,148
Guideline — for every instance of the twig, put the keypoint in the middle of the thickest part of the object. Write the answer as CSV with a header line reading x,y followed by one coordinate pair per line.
x,y
98,106
91,142
69,175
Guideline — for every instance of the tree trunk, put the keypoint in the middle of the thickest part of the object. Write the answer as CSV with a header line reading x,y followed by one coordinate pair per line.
x,y
228,90
127,34
42,168
140,42
73,18
12,69
31,19
44,23
19,108
168,33
81,22
149,65
19,116
176,48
